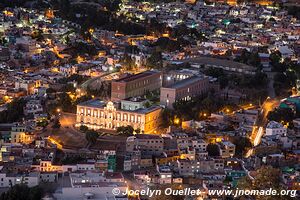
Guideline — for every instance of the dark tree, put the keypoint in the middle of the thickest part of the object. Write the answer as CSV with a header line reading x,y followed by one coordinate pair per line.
x,y
241,144
83,128
155,61
14,112
22,192
125,130
281,114
213,150
56,124
91,136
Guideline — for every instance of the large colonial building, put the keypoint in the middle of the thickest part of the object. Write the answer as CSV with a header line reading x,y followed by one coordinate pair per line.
x,y
96,114
135,85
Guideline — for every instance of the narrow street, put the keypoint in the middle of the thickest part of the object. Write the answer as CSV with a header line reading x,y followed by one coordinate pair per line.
x,y
261,122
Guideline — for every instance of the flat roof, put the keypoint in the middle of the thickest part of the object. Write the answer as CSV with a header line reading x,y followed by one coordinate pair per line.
x,y
96,103
219,62
186,82
136,76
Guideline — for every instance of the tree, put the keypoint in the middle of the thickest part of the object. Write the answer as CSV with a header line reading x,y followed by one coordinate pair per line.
x,y
254,60
14,111
275,58
91,136
50,91
22,192
241,144
213,150
56,124
125,130
115,5
137,131
65,102
266,177
128,62
83,128
281,114
155,61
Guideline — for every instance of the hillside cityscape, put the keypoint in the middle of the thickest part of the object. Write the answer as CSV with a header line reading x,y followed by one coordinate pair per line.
x,y
149,99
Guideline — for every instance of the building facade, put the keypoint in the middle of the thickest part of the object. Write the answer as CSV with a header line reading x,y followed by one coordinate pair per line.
x,y
96,114
184,90
275,128
135,85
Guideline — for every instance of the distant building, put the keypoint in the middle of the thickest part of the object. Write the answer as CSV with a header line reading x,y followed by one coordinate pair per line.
x,y
227,149
275,128
135,85
19,134
184,90
92,185
8,180
149,144
33,107
96,114
4,54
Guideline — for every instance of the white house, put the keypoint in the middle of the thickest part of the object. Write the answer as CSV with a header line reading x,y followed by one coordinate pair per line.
x,y
275,128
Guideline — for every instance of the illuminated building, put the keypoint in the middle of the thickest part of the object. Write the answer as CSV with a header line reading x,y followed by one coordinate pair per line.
x,y
96,114
135,85
20,135
184,90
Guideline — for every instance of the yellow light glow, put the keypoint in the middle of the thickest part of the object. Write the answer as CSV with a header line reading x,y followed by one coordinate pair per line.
x,y
79,59
91,30
176,121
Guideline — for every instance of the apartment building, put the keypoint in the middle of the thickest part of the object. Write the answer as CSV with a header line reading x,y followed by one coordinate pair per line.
x,y
150,144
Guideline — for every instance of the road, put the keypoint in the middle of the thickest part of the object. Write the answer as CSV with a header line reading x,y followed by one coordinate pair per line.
x,y
261,122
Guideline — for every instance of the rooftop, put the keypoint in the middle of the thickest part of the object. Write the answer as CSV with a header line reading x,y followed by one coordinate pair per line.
x,y
96,103
273,124
219,62
186,82
136,76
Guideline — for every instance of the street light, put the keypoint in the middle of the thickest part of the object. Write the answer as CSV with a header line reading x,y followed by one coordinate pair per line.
x,y
58,110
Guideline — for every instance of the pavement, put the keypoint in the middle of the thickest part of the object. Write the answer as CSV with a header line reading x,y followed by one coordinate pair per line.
x,y
67,135
261,122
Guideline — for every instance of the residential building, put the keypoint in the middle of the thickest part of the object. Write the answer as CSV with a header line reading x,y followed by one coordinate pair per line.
x,y
227,149
149,144
275,128
7,180
19,134
92,185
